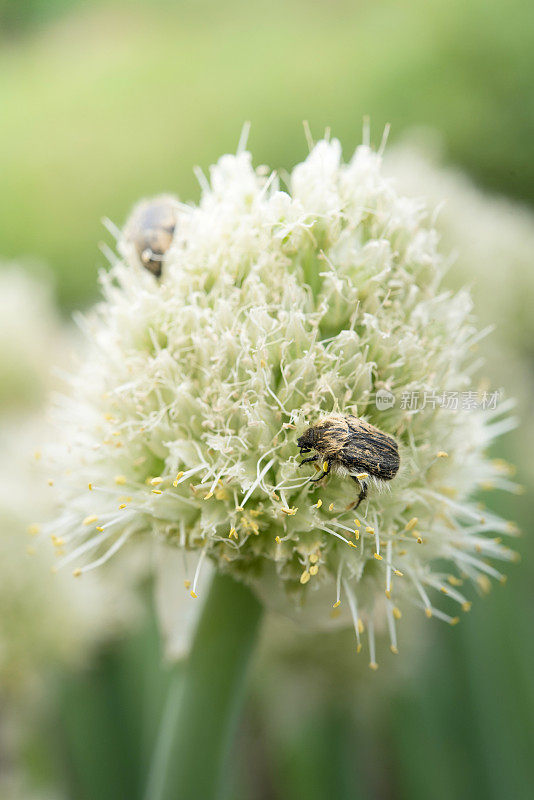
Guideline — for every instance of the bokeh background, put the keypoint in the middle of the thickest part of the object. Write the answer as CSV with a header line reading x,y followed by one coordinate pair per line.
x,y
103,103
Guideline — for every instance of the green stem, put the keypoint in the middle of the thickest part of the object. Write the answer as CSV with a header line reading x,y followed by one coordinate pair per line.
x,y
205,699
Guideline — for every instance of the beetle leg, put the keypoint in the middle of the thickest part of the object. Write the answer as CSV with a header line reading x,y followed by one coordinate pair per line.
x,y
323,474
363,491
307,460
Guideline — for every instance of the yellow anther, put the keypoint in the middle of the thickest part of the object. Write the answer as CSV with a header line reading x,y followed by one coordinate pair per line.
x,y
398,573
359,648
262,363
187,584
115,433
57,542
454,621
388,594
314,558
503,579
373,665
99,528
356,534
504,466
394,650
411,524
419,540
305,577
318,504
156,481
466,606
331,507
157,491
444,590
233,533
368,529
397,613
454,581
351,544
178,476
357,523
277,539
361,627
122,505
484,583
120,480
325,466
37,455
362,476
50,482
90,487
89,520
442,454
193,594
428,612
77,572
337,604
289,511
314,569
34,529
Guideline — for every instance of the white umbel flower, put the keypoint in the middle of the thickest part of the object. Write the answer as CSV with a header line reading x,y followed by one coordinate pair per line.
x,y
274,308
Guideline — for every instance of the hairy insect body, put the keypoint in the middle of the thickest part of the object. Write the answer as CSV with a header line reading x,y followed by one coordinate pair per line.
x,y
352,444
150,229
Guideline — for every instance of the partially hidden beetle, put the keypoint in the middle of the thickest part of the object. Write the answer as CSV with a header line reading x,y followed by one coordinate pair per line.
x,y
150,229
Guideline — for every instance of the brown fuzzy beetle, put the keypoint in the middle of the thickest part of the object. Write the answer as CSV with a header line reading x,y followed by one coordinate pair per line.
x,y
150,229
349,443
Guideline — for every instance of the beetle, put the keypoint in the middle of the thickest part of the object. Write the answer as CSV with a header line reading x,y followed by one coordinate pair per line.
x,y
150,229
350,444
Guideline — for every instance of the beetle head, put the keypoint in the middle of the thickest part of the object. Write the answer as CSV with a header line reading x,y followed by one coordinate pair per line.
x,y
306,442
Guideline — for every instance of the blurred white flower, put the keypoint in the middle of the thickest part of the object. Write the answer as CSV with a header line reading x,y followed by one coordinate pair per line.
x,y
491,239
31,335
48,618
276,307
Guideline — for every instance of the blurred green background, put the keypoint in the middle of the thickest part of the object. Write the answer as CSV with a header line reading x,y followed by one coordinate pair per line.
x,y
102,103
